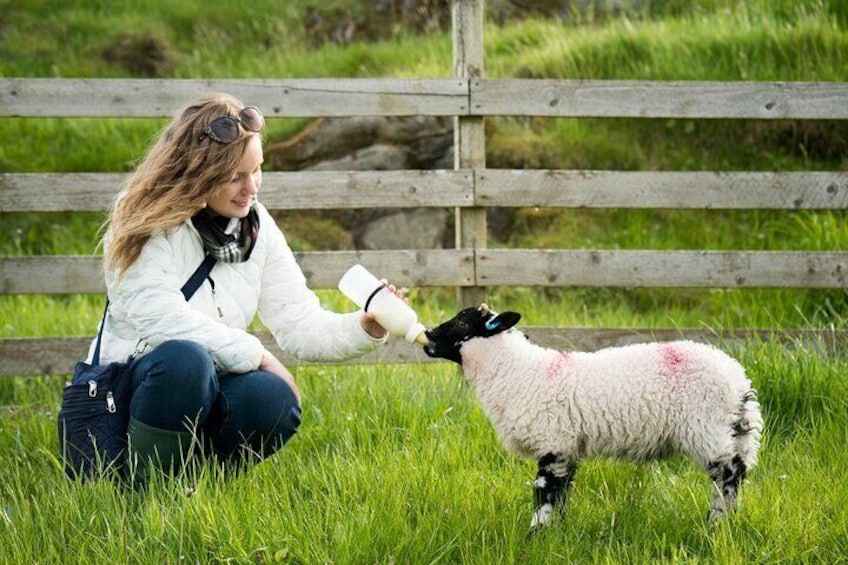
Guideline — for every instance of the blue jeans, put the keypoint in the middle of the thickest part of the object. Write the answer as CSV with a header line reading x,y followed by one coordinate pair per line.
x,y
176,387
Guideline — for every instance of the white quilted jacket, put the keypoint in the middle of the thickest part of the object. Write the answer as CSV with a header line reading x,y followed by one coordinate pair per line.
x,y
147,308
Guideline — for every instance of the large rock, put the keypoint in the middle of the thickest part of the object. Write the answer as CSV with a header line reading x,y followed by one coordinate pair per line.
x,y
378,157
423,228
374,143
425,142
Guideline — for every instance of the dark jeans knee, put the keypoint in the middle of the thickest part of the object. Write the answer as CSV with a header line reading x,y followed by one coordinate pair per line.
x,y
173,385
258,412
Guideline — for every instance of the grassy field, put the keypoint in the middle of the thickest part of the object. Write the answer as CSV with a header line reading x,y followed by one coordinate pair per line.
x,y
396,463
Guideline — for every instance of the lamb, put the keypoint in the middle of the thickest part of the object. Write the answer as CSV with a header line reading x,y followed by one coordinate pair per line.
x,y
637,402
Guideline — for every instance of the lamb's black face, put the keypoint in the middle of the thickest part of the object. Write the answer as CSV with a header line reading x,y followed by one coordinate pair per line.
x,y
447,338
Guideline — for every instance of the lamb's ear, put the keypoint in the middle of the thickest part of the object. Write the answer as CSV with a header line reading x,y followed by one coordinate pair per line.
x,y
501,322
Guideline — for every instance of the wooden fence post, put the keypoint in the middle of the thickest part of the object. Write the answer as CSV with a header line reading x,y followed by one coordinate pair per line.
x,y
469,134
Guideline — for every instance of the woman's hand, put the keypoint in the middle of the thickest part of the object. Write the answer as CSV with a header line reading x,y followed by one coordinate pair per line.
x,y
369,324
272,365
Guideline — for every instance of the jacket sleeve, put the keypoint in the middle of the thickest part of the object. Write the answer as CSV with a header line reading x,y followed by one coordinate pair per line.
x,y
148,297
293,313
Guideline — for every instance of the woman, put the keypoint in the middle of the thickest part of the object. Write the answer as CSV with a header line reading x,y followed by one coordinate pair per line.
x,y
197,372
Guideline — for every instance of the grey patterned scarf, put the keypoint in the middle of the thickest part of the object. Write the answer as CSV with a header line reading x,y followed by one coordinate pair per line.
x,y
230,240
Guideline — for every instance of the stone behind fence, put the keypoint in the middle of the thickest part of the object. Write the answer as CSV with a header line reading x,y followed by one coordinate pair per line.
x,y
373,143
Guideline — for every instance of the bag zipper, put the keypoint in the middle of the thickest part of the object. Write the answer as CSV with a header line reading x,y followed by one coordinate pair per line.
x,y
111,406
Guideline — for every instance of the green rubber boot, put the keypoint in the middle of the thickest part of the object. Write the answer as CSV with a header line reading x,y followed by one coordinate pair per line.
x,y
154,449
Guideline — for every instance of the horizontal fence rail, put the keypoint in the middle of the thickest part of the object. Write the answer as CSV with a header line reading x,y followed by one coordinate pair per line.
x,y
672,269
58,355
665,99
299,190
145,98
472,189
323,190
47,97
662,189
496,267
73,274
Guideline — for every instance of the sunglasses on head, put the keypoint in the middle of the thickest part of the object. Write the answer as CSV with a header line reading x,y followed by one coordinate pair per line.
x,y
226,128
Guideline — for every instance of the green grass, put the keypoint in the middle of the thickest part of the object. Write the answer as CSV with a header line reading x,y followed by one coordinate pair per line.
x,y
397,464
735,44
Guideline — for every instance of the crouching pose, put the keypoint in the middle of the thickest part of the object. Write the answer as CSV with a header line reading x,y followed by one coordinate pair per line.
x,y
637,402
197,372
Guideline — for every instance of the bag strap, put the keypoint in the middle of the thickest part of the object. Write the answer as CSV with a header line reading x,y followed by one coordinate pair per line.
x,y
95,359
197,278
188,290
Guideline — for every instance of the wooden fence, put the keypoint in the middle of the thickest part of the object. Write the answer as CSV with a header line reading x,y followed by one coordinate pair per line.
x,y
470,188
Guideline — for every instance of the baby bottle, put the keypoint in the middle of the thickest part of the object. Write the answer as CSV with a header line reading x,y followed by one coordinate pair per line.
x,y
390,311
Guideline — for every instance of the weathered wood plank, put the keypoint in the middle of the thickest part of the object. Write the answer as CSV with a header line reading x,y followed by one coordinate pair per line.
x,y
640,268
469,131
324,190
58,192
58,355
645,189
133,98
70,274
659,99
30,356
592,339
60,274
497,267
368,189
298,190
403,267
47,97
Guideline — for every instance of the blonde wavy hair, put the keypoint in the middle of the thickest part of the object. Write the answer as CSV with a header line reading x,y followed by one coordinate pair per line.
x,y
173,182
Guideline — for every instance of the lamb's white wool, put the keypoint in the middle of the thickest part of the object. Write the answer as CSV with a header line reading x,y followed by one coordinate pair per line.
x,y
636,402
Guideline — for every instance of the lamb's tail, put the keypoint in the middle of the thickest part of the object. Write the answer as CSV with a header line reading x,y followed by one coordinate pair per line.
x,y
748,429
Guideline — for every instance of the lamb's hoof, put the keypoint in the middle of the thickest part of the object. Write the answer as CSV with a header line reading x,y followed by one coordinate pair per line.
x,y
541,519
535,531
716,516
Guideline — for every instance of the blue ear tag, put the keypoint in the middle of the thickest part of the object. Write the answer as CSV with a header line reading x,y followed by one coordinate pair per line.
x,y
492,324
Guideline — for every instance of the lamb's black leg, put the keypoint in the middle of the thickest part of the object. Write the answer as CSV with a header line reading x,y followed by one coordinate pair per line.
x,y
550,487
727,478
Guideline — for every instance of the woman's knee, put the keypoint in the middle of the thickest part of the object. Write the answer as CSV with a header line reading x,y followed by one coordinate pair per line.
x,y
277,411
290,416
180,356
175,381
263,413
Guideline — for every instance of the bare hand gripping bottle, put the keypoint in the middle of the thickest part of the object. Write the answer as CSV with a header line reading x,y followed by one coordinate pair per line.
x,y
390,311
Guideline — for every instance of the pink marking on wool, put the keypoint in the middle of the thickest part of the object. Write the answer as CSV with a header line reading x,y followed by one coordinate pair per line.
x,y
673,359
555,368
